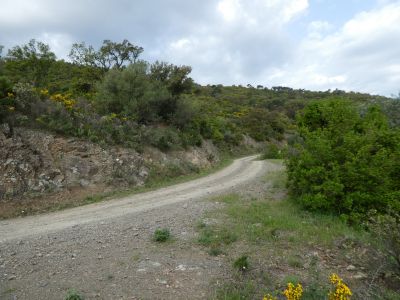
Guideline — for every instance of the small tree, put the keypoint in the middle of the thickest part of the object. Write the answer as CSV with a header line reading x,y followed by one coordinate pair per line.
x,y
109,55
174,77
30,62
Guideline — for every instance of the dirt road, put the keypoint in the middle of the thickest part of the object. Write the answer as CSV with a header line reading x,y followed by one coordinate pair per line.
x,y
105,250
241,171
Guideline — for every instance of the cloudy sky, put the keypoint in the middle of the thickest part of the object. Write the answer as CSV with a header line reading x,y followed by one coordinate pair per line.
x,y
313,44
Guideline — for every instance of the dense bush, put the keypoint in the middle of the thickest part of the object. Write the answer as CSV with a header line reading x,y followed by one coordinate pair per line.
x,y
347,163
273,151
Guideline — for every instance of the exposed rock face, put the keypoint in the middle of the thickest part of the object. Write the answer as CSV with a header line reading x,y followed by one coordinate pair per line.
x,y
35,162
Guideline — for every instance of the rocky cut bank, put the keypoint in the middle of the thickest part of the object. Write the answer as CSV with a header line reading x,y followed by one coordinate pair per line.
x,y
33,162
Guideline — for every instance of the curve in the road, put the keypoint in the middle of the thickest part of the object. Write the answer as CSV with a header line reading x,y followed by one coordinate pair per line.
x,y
240,171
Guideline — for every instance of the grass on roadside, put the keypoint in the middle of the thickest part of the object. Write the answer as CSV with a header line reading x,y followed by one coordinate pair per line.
x,y
288,244
262,221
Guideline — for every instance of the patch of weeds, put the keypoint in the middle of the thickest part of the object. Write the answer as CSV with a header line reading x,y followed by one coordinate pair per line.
x,y
72,294
291,279
8,291
93,199
295,262
135,257
201,225
390,295
215,251
315,291
228,199
110,277
215,237
227,237
275,233
121,263
236,291
161,235
242,263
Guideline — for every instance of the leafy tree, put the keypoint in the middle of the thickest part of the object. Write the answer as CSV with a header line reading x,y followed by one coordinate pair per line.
x,y
130,92
174,77
347,163
30,62
109,55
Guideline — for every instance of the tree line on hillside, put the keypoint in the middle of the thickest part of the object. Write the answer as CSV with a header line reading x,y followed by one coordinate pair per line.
x,y
111,96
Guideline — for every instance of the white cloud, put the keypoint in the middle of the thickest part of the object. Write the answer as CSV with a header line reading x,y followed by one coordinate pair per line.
x,y
294,8
59,43
18,11
246,38
362,55
261,12
317,29
229,9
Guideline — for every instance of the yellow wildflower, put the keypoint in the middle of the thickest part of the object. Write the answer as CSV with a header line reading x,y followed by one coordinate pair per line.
x,y
10,95
44,92
342,291
64,99
292,292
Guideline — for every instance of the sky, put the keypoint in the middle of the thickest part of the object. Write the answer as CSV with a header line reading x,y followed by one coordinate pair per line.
x,y
311,44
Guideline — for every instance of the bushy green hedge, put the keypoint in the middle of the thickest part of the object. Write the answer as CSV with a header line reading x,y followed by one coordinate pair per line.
x,y
347,163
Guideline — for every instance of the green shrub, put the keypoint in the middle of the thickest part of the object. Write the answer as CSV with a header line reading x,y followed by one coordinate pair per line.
x,y
272,151
162,235
73,295
164,138
347,163
242,263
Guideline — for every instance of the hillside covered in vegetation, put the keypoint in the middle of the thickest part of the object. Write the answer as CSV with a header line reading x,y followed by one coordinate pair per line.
x,y
111,96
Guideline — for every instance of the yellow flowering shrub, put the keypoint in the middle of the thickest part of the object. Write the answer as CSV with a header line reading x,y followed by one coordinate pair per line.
x,y
44,93
342,291
293,292
66,100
